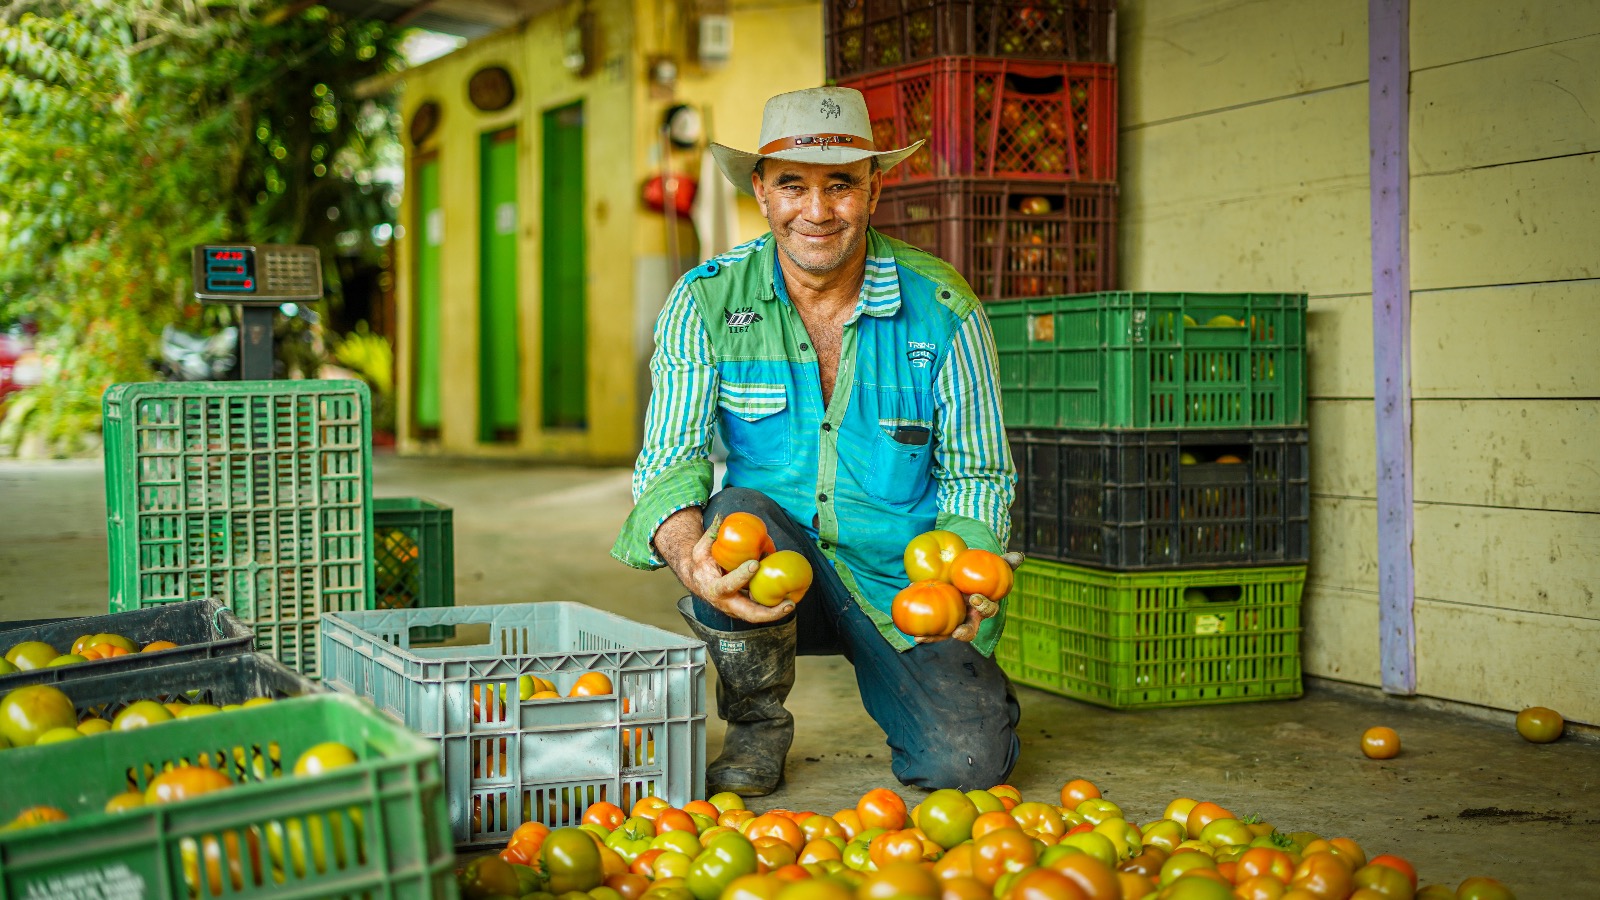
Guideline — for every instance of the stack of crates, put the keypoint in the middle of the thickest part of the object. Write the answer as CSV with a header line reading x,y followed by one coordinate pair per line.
x,y
1017,102
1162,497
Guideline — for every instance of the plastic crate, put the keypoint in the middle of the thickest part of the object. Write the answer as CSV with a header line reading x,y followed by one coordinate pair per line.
x,y
219,682
1125,360
413,556
202,629
372,829
509,762
1134,641
256,493
864,36
996,118
1010,238
1162,499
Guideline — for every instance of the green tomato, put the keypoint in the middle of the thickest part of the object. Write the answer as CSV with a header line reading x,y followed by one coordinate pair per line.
x,y
672,864
946,817
1051,854
713,870
681,841
1098,809
599,831
572,861
1095,844
1124,836
985,801
487,876
638,827
857,857
626,847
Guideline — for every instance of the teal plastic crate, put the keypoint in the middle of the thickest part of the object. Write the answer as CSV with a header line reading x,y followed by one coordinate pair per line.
x,y
508,761
372,829
255,493
1160,639
1143,360
413,556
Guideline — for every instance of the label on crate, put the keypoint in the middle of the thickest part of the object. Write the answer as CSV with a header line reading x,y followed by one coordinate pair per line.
x,y
1210,623
113,882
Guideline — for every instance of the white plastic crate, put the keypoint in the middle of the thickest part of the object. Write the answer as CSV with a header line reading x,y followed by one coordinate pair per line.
x,y
510,762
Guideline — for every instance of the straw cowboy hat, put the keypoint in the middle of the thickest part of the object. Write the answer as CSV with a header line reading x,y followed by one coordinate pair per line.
x,y
817,125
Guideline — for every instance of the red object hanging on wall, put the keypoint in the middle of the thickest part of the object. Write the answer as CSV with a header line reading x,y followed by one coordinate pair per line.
x,y
684,187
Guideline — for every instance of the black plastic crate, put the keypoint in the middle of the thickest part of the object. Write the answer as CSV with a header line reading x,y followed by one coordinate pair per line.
x,y
1138,500
202,629
220,682
864,36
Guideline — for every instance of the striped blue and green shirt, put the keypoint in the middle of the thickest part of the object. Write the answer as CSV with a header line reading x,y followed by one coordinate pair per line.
x,y
912,439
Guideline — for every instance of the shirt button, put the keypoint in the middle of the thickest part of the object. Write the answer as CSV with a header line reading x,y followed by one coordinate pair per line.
x,y
805,346
945,295
823,498
823,545
826,426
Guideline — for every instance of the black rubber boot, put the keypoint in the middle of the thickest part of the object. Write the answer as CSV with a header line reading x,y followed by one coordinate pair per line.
x,y
755,671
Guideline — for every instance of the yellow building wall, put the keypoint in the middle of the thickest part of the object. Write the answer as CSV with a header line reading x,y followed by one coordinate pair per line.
x,y
1245,167
532,53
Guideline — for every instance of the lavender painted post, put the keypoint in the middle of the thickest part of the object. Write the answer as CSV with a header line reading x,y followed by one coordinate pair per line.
x,y
1389,74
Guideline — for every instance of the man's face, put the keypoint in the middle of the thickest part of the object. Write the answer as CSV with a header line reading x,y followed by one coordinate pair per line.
x,y
818,213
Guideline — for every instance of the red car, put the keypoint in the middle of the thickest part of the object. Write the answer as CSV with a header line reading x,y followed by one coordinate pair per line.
x,y
19,364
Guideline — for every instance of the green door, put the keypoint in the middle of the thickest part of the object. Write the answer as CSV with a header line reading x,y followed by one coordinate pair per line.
x,y
564,258
429,229
498,365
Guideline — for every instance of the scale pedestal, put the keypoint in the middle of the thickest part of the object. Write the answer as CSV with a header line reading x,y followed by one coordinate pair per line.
x,y
257,278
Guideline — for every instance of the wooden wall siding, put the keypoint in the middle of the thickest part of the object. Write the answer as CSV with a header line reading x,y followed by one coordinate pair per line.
x,y
1180,58
1244,167
1452,31
1526,340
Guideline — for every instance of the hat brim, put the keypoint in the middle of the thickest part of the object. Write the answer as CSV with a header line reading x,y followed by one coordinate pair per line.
x,y
736,165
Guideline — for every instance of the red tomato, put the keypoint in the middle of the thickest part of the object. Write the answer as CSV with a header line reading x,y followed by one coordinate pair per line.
x,y
1324,876
740,538
1266,861
928,555
981,572
1077,790
784,575
881,808
928,609
1380,743
606,814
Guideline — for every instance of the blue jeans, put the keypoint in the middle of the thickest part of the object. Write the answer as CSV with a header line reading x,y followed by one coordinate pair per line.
x,y
949,714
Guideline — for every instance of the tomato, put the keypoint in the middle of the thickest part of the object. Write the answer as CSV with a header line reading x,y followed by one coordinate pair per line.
x,y
928,609
784,575
1385,881
1349,851
819,826
726,859
1260,887
1048,884
1199,885
1135,887
1093,843
528,837
30,655
899,879
1204,814
981,572
1039,820
185,782
591,684
1398,864
681,841
1540,724
881,808
35,816
741,537
946,817
895,846
1077,790
754,887
928,555
488,876
572,860
630,886
1184,862
775,825
324,757
1480,887
819,850
1324,876
28,712
1000,852
1227,833
1380,743
1266,861
1178,811
1164,833
1094,878
850,821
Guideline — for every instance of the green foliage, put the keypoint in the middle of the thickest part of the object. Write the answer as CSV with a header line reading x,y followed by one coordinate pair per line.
x,y
131,130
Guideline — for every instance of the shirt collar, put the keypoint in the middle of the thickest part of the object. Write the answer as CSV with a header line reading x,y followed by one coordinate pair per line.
x,y
880,285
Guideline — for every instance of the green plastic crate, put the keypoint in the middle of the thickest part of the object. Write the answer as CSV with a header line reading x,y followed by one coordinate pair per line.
x,y
1136,641
507,761
414,557
1126,360
377,827
255,493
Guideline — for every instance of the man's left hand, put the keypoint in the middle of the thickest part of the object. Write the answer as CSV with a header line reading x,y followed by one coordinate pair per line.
x,y
979,608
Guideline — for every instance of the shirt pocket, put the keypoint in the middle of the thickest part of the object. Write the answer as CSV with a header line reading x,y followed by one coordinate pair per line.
x,y
755,421
901,458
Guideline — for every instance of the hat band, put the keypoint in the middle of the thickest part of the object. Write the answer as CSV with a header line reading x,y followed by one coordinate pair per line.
x,y
819,141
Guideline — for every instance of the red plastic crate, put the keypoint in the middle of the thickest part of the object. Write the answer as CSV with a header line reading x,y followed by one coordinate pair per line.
x,y
981,228
866,36
997,118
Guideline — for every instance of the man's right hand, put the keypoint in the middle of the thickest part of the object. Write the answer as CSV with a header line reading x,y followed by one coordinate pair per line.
x,y
691,561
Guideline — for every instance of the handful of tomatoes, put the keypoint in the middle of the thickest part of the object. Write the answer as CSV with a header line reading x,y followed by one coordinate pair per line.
x,y
780,574
979,845
943,572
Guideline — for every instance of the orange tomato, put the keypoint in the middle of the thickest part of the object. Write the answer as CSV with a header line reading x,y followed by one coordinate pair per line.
x,y
1048,884
895,846
649,807
1260,887
1397,863
702,807
928,609
1204,814
981,572
591,684
1266,861
819,850
776,825
1077,790
158,646
605,814
881,808
185,782
671,819
741,537
1380,743
850,821
999,852
1094,878
1324,876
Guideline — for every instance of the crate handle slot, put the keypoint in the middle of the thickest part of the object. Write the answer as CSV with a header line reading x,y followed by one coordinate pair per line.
x,y
1214,595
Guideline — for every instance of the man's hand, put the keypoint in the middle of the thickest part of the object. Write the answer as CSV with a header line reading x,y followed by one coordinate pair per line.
x,y
979,608
699,572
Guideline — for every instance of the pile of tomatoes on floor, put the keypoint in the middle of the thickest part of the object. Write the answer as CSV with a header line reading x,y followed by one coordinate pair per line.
x,y
978,845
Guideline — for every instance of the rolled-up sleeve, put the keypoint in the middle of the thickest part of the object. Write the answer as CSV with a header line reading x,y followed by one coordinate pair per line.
x,y
673,471
973,467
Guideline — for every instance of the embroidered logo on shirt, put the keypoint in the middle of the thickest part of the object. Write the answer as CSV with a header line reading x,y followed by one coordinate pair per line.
x,y
740,320
920,354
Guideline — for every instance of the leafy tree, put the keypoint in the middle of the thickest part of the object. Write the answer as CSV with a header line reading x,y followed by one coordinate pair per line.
x,y
131,130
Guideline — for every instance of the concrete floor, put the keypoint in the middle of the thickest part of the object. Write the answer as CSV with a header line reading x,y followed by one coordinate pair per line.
x,y
1467,796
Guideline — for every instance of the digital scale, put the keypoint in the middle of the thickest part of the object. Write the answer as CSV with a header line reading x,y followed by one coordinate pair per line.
x,y
257,278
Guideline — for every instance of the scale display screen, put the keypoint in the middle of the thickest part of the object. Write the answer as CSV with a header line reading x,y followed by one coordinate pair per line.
x,y
265,274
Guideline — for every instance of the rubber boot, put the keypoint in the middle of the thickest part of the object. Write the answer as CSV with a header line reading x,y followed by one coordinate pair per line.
x,y
755,671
